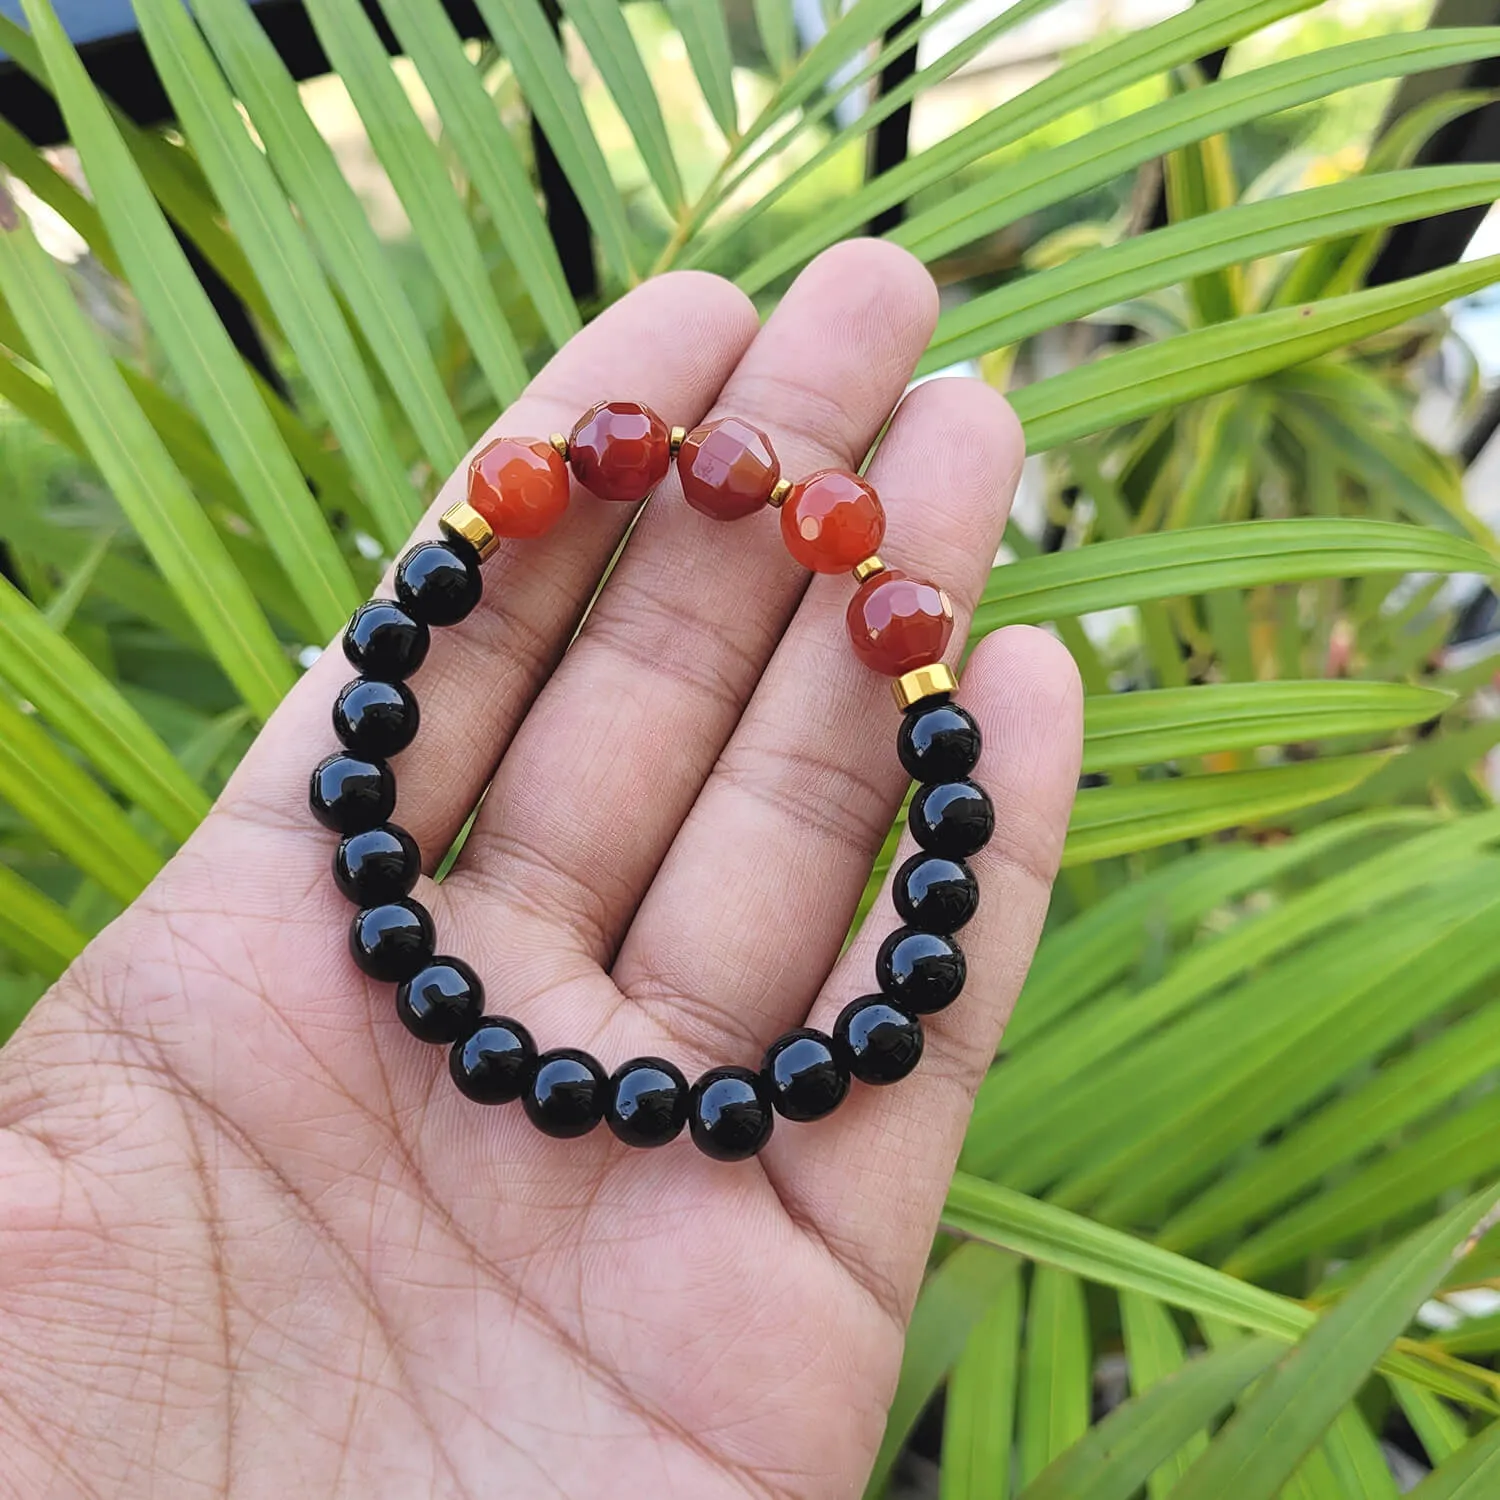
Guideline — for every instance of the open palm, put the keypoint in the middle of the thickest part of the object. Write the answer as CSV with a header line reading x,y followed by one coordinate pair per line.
x,y
252,1241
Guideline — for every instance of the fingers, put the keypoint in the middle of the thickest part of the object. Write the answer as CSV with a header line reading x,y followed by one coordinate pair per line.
x,y
615,751
870,1179
754,901
672,342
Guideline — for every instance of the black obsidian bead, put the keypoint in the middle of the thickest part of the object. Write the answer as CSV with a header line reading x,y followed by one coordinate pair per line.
x,y
938,742
492,1065
648,1102
375,719
392,941
566,1094
952,818
880,1043
438,582
349,794
729,1114
441,1002
806,1077
920,971
378,865
384,642
935,894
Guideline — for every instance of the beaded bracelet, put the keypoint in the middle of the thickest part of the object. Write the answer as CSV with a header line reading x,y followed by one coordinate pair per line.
x,y
831,521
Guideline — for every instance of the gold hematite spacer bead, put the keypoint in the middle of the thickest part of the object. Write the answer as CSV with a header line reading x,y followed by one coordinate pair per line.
x,y
923,682
560,443
872,565
677,439
463,520
779,492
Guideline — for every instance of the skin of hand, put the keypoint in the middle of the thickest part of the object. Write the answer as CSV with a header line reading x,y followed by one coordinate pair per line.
x,y
254,1243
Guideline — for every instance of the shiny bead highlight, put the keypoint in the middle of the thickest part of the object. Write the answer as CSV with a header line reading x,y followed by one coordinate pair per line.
x,y
935,894
377,865
898,623
566,1093
438,582
938,742
648,1102
952,818
493,1064
880,1043
727,468
392,941
921,972
620,450
442,1002
519,487
376,719
729,1114
349,793
832,520
384,642
806,1077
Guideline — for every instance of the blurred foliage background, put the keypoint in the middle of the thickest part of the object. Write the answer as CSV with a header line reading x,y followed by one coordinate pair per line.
x,y
1220,1226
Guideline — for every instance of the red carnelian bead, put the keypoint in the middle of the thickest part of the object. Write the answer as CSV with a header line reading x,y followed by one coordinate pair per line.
x,y
519,485
832,520
898,623
727,468
620,450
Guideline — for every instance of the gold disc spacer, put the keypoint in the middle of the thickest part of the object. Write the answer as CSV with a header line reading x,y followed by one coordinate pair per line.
x,y
462,520
779,491
867,569
560,445
923,682
677,439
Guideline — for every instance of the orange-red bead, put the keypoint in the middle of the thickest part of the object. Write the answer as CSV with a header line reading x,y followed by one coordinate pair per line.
x,y
727,468
620,450
519,485
832,520
897,624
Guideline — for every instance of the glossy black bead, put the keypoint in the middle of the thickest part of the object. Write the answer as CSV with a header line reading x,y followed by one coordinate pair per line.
x,y
879,1043
953,818
441,1002
375,719
493,1064
920,971
377,865
938,742
392,941
438,582
349,794
729,1114
935,894
805,1075
384,642
566,1093
648,1102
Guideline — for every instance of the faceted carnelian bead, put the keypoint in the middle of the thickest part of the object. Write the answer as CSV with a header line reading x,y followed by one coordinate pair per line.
x,y
832,520
620,450
898,623
519,485
727,469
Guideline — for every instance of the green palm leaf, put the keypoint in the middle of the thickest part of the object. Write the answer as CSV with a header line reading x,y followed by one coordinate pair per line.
x,y
1102,278
137,469
337,224
1280,1421
289,272
35,928
194,340
489,156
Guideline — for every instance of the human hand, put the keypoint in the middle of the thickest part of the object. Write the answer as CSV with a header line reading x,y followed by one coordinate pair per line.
x,y
253,1242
